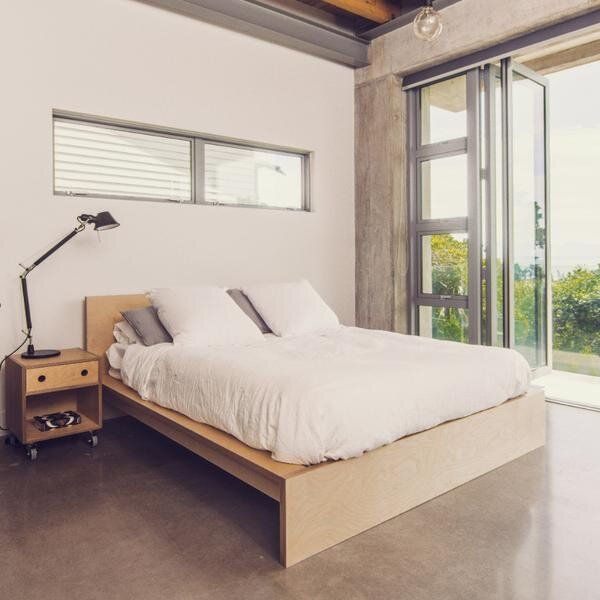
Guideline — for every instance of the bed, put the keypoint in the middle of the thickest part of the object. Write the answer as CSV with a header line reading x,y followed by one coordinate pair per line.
x,y
323,504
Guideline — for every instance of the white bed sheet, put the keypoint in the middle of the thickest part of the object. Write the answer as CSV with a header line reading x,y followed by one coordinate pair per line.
x,y
312,398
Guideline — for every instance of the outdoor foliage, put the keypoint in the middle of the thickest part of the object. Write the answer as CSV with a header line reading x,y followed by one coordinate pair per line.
x,y
576,307
449,277
576,300
449,264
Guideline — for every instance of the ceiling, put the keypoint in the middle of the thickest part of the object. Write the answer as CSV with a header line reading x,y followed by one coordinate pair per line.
x,y
341,30
575,50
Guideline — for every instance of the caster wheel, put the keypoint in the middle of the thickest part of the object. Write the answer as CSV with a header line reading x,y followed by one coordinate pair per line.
x,y
10,440
32,452
92,440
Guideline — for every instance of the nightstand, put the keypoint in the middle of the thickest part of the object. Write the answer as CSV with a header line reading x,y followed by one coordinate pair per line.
x,y
34,387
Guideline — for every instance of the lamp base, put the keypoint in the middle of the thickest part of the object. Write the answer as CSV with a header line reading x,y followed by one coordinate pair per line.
x,y
40,354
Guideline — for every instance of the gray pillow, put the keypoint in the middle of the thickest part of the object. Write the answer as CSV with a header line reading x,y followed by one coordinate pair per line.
x,y
242,301
147,325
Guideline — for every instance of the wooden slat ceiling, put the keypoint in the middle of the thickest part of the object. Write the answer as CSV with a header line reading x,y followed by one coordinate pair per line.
x,y
374,11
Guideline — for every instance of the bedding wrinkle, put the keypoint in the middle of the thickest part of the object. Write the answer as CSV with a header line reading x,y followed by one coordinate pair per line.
x,y
327,396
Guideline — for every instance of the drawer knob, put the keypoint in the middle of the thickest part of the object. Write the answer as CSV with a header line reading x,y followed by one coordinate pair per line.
x,y
41,378
84,372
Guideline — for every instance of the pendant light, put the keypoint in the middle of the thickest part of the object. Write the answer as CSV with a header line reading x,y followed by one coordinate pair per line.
x,y
428,23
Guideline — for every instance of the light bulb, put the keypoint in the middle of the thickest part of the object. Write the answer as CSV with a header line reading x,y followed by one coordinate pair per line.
x,y
428,23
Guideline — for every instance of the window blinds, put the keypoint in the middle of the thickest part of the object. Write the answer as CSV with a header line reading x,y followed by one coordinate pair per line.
x,y
108,161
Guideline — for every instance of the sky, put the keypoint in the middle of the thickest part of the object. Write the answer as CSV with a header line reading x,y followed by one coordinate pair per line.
x,y
575,167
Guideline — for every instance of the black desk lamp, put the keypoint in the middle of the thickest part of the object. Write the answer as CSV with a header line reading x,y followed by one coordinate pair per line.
x,y
101,221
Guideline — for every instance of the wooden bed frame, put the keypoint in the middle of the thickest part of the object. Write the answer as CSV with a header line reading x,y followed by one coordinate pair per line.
x,y
325,504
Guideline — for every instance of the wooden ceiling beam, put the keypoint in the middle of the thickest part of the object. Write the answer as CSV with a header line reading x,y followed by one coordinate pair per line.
x,y
379,11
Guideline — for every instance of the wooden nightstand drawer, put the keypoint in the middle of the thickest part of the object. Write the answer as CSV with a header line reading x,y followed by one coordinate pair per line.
x,y
53,377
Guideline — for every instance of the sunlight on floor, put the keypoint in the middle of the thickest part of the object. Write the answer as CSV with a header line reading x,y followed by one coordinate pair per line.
x,y
572,388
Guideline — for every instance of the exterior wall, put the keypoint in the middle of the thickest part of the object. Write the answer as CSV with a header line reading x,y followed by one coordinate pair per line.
x,y
381,195
127,60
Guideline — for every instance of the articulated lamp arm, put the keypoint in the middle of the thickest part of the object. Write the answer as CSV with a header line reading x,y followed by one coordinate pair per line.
x,y
27,270
101,221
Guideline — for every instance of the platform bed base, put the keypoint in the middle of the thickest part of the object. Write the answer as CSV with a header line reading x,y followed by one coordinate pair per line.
x,y
322,505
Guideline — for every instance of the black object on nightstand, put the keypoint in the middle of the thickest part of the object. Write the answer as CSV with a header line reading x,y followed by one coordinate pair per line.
x,y
69,382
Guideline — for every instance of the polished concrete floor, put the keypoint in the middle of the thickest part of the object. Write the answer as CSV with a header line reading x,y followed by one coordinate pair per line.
x,y
140,517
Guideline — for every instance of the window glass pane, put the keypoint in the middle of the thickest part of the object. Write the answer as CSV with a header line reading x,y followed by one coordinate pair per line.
x,y
444,187
444,264
248,176
529,228
110,161
444,323
444,110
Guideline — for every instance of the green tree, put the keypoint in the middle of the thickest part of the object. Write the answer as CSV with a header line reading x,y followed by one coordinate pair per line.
x,y
449,267
449,264
576,311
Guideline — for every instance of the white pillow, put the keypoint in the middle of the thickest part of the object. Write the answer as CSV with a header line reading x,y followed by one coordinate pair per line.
x,y
203,316
292,308
124,333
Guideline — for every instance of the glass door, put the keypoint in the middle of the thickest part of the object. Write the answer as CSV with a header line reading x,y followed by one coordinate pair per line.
x,y
528,206
479,210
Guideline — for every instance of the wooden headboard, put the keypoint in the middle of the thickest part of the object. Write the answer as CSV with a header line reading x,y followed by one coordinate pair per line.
x,y
101,314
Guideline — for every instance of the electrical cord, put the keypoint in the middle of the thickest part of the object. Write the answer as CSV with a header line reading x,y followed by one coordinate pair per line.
x,y
4,360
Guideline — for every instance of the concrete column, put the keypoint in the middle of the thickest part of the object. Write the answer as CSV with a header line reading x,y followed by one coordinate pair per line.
x,y
381,206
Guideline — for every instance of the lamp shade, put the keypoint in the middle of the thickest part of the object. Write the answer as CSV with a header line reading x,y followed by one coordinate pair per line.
x,y
101,221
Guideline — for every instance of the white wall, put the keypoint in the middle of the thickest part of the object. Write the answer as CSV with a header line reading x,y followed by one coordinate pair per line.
x,y
127,60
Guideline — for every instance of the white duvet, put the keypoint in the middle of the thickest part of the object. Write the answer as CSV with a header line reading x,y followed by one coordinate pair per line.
x,y
312,398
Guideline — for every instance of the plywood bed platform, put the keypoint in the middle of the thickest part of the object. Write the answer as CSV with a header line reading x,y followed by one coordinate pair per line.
x,y
325,504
